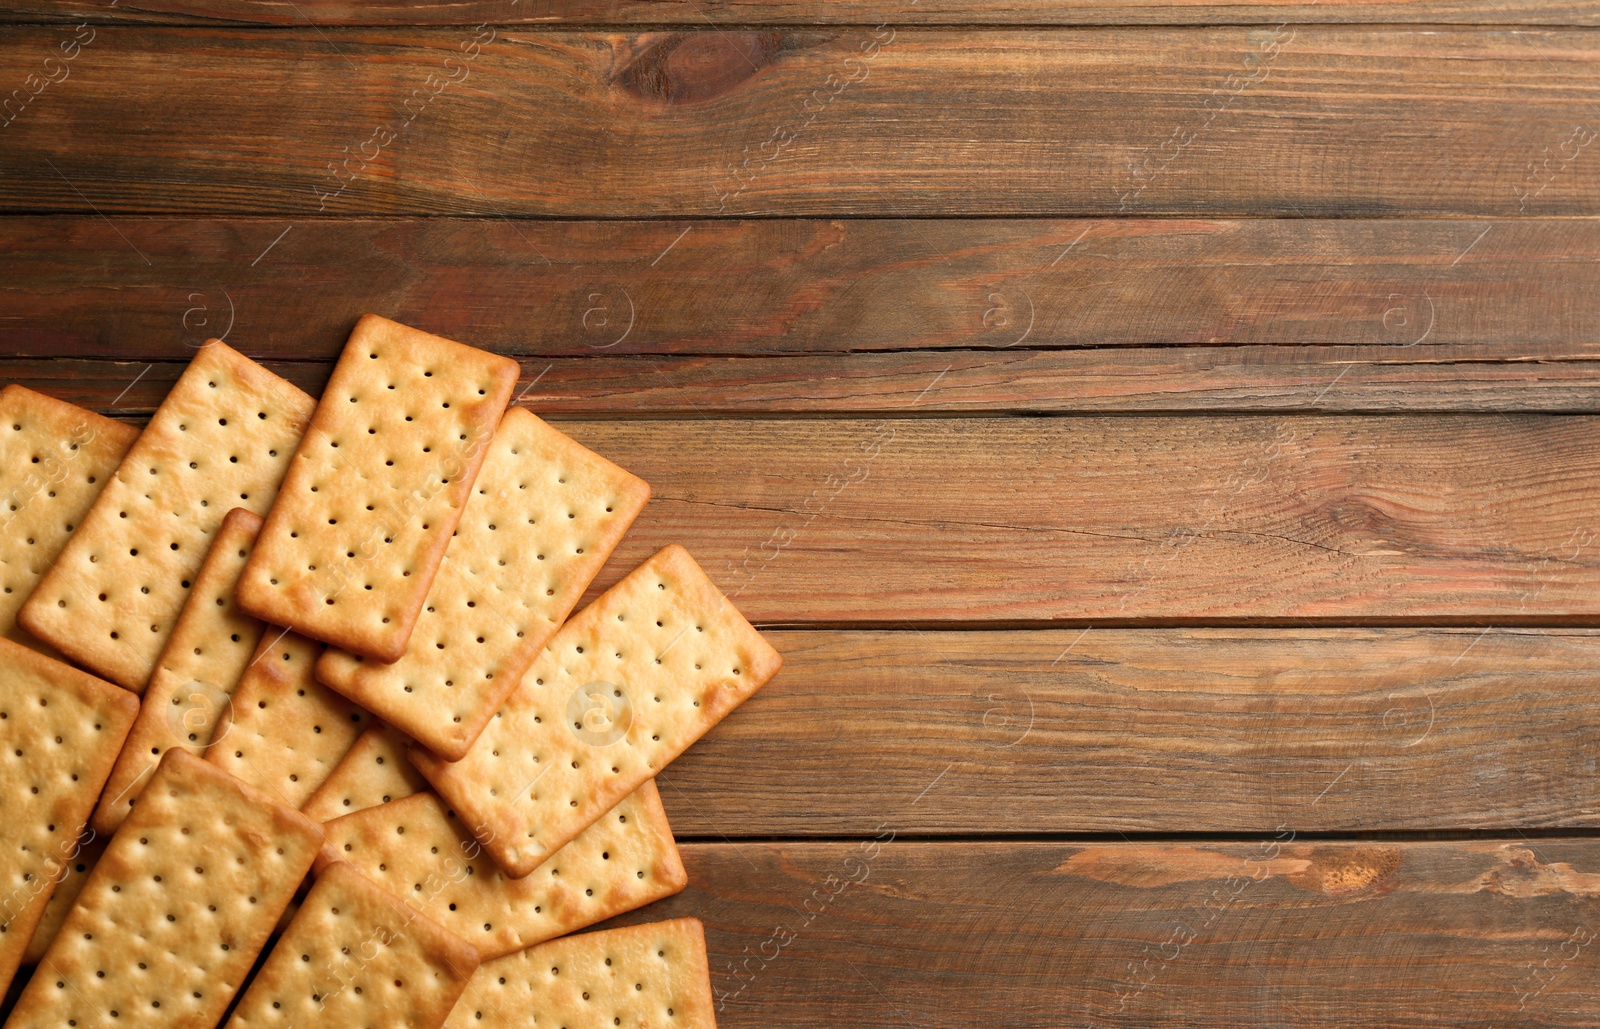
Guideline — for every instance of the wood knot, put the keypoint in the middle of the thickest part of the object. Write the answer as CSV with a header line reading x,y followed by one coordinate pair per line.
x,y
1345,871
689,67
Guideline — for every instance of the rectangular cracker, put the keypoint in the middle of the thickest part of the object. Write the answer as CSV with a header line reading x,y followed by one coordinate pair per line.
x,y
655,974
211,643
544,515
55,458
220,440
60,731
377,487
178,907
417,849
355,956
374,771
284,732
70,883
622,689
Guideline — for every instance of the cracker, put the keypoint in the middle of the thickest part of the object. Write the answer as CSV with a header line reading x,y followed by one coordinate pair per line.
x,y
374,771
377,487
285,732
357,957
211,643
68,886
178,907
622,689
544,515
55,458
221,439
655,974
60,731
419,851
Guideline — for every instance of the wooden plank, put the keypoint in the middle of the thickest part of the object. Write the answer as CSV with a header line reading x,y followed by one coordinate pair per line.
x,y
1458,519
80,287
1154,730
1134,380
1390,519
1193,935
1310,121
794,12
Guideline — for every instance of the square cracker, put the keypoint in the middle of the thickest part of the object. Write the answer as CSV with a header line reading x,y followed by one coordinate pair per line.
x,y
285,732
622,689
419,851
210,645
544,515
639,976
173,916
60,731
357,957
374,771
55,458
375,490
220,440
69,885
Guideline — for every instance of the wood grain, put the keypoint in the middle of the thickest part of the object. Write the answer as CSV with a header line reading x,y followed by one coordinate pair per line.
x,y
80,286
1310,121
1261,934
1143,380
1154,731
1402,519
795,12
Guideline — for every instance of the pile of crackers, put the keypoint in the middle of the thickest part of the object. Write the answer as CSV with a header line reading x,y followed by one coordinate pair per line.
x,y
295,727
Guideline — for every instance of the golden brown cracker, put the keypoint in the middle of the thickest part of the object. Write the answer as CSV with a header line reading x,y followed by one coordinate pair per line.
x,y
179,905
357,957
640,976
73,876
374,771
193,684
622,689
60,731
543,517
418,850
376,488
285,732
55,458
220,440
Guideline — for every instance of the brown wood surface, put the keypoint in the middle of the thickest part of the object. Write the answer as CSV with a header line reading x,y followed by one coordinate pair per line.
x,y
1281,931
1308,121
1462,518
151,288
1147,380
794,12
1154,731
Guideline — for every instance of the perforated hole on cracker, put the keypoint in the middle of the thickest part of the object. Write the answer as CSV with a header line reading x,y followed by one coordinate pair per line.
x,y
370,501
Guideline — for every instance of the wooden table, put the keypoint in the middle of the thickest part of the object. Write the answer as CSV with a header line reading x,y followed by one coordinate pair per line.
x,y
1158,433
